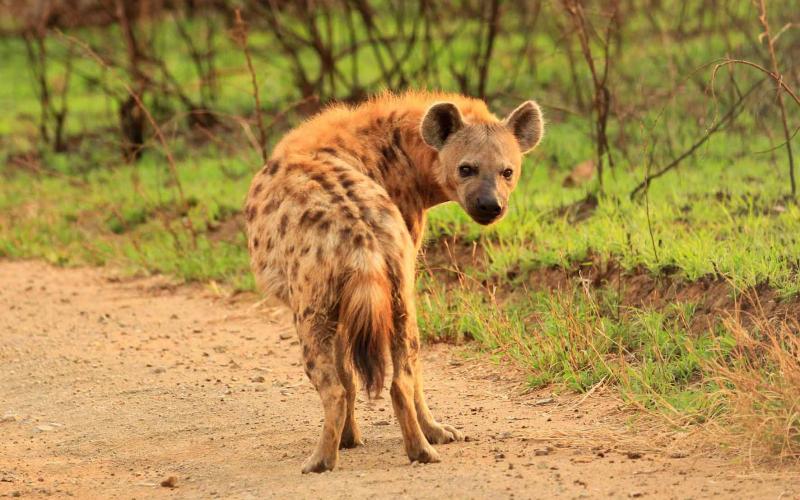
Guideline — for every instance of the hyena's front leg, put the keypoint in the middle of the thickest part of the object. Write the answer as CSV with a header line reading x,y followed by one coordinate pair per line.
x,y
417,446
351,434
320,363
435,432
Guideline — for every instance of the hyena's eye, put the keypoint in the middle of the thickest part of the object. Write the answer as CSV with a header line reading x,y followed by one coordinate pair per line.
x,y
507,173
466,170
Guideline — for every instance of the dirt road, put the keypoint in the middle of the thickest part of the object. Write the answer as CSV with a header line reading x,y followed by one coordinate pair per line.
x,y
108,387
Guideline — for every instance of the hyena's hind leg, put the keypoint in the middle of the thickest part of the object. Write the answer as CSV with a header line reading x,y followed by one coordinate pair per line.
x,y
351,434
319,354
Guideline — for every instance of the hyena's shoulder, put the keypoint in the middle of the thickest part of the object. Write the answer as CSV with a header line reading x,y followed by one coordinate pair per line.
x,y
365,128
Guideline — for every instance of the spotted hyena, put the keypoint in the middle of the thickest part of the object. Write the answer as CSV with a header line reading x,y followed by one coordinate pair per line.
x,y
335,219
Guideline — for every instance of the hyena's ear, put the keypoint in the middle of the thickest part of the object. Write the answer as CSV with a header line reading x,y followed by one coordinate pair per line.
x,y
440,121
527,125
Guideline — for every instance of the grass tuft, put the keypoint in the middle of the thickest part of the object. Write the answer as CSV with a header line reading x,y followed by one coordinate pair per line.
x,y
759,378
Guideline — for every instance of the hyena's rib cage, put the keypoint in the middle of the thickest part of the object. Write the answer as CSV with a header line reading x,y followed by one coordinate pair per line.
x,y
334,221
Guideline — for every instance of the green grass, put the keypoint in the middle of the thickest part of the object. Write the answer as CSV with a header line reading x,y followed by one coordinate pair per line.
x,y
131,217
575,339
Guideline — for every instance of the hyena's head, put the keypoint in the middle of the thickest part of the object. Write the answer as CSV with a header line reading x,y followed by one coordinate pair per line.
x,y
479,163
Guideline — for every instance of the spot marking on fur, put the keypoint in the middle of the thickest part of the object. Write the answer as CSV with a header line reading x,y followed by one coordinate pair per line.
x,y
311,217
283,224
271,207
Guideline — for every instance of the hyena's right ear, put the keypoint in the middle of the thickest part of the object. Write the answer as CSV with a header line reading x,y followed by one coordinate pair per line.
x,y
440,121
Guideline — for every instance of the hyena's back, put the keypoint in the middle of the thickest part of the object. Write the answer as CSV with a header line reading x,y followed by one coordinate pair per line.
x,y
327,241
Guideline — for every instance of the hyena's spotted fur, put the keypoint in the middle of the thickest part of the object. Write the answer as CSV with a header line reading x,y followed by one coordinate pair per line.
x,y
335,219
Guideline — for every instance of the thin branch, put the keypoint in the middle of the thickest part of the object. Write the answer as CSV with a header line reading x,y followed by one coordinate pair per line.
x,y
777,77
173,169
774,59
729,116
240,34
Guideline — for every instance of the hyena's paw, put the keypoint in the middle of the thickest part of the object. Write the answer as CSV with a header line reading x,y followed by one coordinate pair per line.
x,y
351,438
318,463
425,455
443,434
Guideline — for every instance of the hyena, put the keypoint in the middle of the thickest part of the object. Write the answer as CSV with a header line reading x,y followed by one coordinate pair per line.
x,y
334,221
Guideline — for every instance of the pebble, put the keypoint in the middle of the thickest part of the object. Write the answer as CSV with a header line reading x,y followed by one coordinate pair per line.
x,y
633,455
679,454
170,482
259,379
541,452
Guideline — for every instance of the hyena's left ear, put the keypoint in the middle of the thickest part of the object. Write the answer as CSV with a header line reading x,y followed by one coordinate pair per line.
x,y
441,121
527,125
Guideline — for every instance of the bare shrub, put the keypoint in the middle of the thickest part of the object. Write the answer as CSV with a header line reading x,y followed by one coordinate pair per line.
x,y
52,91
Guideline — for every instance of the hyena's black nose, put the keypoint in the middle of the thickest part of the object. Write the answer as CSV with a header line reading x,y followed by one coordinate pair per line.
x,y
488,206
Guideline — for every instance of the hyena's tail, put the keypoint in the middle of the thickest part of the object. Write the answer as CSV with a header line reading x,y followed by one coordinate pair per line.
x,y
365,314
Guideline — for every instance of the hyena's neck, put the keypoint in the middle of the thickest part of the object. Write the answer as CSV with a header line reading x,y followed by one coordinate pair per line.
x,y
383,140
407,167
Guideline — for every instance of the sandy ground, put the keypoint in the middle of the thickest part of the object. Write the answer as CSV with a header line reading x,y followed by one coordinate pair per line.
x,y
108,387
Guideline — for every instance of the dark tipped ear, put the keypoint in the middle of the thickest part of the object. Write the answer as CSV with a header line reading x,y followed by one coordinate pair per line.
x,y
440,121
527,125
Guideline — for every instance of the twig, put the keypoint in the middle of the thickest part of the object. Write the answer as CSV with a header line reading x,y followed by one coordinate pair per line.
x,y
240,35
732,113
602,94
647,207
588,393
777,77
173,169
486,57
773,58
